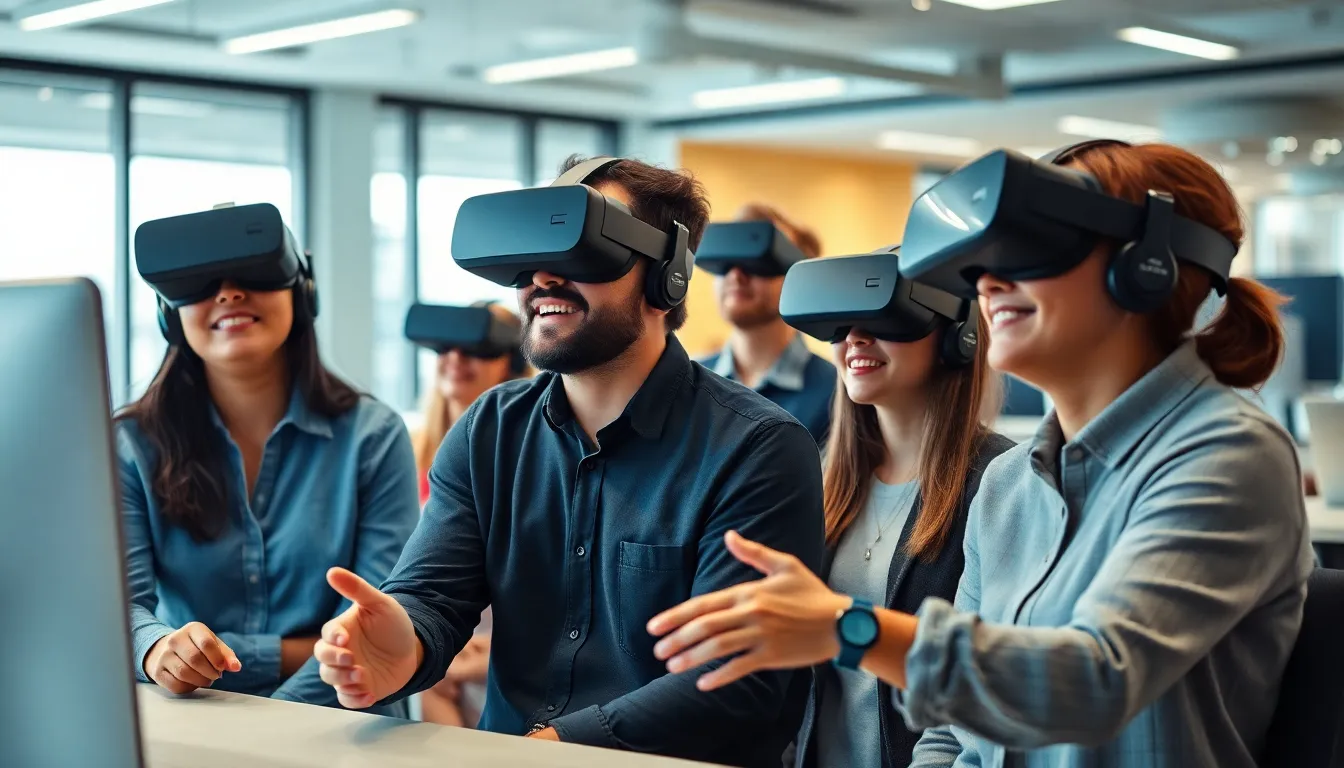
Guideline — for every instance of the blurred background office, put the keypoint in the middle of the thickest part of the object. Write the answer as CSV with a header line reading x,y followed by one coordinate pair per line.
x,y
368,123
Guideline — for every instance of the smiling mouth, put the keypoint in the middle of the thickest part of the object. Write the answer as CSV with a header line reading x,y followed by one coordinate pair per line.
x,y
863,365
1006,317
234,322
544,309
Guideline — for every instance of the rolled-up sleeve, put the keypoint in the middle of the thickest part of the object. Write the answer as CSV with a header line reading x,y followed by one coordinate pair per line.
x,y
1215,531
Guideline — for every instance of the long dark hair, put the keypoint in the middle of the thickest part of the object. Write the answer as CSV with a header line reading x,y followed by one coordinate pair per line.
x,y
174,415
953,433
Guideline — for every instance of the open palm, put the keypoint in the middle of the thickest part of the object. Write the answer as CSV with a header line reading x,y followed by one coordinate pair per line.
x,y
370,651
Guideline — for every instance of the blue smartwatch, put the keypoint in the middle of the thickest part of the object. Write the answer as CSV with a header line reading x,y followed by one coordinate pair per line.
x,y
857,629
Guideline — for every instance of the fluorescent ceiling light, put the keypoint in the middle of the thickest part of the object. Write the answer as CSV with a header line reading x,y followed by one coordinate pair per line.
x,y
769,93
561,66
303,34
1190,46
60,14
1097,128
929,143
997,5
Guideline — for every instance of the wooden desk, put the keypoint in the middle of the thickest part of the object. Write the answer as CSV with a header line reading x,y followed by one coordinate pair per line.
x,y
1327,523
211,729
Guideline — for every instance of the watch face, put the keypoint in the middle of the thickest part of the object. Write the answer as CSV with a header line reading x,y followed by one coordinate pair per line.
x,y
859,628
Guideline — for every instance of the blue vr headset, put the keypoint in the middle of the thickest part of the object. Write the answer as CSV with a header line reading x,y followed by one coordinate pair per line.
x,y
475,331
825,298
186,258
572,230
755,247
1022,219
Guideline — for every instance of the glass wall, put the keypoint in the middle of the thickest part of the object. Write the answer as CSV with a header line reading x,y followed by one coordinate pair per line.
x,y
58,200
456,154
1299,235
193,149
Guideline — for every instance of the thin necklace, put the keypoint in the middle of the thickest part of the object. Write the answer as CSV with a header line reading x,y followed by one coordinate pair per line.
x,y
891,517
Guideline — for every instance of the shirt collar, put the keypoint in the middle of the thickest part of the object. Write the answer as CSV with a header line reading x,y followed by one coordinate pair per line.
x,y
648,410
298,413
1115,432
787,372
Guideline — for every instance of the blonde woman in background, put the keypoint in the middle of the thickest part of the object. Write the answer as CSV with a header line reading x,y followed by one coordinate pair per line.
x,y
463,374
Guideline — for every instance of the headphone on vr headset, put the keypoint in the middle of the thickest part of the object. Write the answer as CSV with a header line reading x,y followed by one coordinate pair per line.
x,y
668,280
305,304
961,339
1142,274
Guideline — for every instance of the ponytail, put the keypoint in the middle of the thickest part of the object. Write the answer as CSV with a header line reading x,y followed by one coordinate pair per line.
x,y
1244,344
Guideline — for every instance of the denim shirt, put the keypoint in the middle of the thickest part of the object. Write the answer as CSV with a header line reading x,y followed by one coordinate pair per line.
x,y
330,492
799,382
576,546
1130,598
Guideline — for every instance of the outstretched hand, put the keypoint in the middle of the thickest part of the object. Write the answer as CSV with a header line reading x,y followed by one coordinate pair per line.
x,y
783,621
370,651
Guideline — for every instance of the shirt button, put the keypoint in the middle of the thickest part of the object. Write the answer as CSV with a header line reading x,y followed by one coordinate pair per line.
x,y
574,634
550,707
580,551
1075,454
252,578
589,465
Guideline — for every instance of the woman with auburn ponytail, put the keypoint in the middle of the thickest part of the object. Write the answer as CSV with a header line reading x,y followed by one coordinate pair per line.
x,y
1134,575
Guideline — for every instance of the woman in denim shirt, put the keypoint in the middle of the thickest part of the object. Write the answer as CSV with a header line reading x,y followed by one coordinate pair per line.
x,y
247,470
1134,576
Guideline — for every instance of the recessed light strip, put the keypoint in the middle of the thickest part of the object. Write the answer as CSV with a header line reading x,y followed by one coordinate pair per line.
x,y
304,34
1190,46
561,66
49,15
769,93
1097,128
928,143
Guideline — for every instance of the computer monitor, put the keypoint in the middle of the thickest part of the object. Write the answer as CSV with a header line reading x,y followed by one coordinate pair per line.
x,y
1318,301
65,655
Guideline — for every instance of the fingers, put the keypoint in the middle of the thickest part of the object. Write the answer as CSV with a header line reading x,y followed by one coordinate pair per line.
x,y
354,700
171,684
220,656
333,655
731,672
344,677
701,629
675,617
758,556
355,589
181,669
716,647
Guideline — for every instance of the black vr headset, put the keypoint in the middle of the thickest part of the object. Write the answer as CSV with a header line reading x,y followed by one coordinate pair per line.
x,y
186,258
571,230
1022,219
475,331
755,247
824,298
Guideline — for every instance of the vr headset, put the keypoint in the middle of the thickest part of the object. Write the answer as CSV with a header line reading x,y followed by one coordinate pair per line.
x,y
1022,219
571,230
475,331
825,298
756,247
186,258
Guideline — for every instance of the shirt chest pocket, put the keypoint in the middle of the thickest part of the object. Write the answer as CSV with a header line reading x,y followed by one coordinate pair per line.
x,y
651,578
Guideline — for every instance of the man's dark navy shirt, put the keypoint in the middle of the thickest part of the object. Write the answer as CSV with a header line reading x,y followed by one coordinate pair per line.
x,y
577,546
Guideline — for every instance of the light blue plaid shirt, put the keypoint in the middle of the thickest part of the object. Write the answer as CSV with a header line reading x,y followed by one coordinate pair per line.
x,y
1130,598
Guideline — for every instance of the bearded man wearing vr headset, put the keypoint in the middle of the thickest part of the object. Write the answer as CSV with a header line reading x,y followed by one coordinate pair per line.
x,y
749,258
1135,575
580,503
241,451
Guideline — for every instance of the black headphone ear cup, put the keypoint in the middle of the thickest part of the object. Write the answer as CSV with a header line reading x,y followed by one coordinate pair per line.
x,y
1141,279
170,325
960,342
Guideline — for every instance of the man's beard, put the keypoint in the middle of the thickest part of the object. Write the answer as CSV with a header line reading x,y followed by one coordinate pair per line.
x,y
755,316
603,335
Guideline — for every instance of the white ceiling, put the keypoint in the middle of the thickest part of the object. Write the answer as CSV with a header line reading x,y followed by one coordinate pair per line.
x,y
442,56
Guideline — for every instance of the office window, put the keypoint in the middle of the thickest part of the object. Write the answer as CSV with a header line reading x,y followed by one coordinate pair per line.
x,y
393,270
462,154
192,149
58,187
558,139
1299,235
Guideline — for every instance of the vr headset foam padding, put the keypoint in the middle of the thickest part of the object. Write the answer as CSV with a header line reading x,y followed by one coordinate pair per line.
x,y
1022,219
755,247
185,258
476,331
825,298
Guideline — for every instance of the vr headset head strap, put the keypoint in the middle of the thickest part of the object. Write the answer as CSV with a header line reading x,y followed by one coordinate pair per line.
x,y
1095,211
580,173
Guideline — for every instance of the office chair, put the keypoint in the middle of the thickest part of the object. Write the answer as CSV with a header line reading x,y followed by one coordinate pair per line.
x,y
1306,730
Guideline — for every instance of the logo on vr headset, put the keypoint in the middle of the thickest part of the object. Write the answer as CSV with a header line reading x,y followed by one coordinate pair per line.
x,y
873,282
1154,265
678,279
979,194
559,218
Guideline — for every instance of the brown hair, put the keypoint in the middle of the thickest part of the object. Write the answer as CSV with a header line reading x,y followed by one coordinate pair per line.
x,y
953,433
659,197
1244,343
437,418
806,239
174,415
